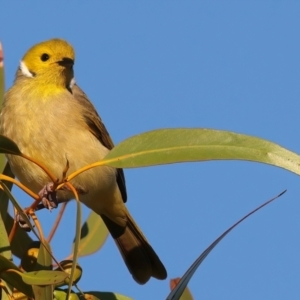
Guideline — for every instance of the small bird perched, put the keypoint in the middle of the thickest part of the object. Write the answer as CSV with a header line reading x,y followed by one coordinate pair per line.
x,y
51,119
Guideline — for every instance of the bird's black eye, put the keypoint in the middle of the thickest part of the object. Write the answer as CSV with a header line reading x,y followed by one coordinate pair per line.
x,y
45,57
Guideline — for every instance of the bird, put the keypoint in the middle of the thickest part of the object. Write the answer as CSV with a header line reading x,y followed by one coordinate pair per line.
x,y
52,120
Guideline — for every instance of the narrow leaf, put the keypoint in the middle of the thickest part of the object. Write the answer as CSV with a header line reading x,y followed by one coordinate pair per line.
x,y
76,243
5,249
166,146
182,284
7,292
3,196
44,262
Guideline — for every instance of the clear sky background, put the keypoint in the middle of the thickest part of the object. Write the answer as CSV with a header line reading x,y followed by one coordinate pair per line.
x,y
231,65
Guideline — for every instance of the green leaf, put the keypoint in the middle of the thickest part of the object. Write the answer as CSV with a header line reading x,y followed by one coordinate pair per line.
x,y
44,262
44,259
76,246
6,291
166,146
4,295
3,196
13,279
93,235
42,293
44,277
5,249
8,146
2,161
182,284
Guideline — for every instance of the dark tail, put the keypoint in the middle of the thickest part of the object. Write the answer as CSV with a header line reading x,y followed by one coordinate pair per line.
x,y
140,259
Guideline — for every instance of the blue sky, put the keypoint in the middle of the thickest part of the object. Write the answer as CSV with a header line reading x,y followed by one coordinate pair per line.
x,y
231,65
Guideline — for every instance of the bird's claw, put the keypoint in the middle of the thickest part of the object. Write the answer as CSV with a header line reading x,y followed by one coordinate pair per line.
x,y
48,196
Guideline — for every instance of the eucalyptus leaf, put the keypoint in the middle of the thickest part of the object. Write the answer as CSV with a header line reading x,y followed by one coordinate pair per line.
x,y
166,146
76,246
44,259
44,262
7,291
44,277
3,196
5,249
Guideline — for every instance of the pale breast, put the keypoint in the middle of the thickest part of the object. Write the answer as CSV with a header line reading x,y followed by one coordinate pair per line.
x,y
53,131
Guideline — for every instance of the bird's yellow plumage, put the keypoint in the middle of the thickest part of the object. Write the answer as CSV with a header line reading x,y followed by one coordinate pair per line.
x,y
51,119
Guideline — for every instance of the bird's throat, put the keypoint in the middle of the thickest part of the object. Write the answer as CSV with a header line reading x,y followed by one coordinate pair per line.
x,y
43,87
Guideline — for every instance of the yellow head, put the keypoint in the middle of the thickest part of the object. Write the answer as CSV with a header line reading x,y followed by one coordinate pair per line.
x,y
50,63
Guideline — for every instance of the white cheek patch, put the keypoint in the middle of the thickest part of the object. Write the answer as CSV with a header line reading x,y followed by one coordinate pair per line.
x,y
25,71
72,82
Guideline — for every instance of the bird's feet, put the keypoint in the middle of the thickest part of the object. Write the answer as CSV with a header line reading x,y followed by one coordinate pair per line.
x,y
48,196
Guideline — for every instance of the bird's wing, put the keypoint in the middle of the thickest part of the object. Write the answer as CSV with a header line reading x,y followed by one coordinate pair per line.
x,y
98,129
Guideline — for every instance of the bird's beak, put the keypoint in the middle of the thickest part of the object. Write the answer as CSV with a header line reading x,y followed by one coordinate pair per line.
x,y
66,62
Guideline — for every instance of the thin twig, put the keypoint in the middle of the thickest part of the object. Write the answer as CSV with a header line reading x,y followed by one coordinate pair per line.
x,y
57,221
14,228
37,225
